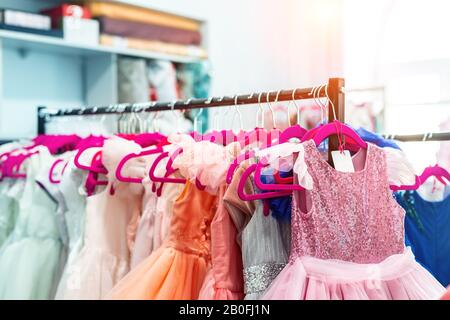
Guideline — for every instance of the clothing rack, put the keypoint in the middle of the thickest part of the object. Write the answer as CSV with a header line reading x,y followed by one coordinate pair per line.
x,y
438,136
335,91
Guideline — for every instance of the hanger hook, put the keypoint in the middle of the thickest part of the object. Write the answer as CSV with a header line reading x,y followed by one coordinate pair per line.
x,y
313,94
216,115
250,96
271,109
197,116
236,97
331,102
172,108
323,106
261,109
276,101
297,107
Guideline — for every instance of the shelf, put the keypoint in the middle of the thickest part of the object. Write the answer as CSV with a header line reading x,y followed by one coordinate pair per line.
x,y
24,41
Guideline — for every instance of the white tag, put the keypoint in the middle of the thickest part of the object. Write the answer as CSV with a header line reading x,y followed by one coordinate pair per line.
x,y
343,161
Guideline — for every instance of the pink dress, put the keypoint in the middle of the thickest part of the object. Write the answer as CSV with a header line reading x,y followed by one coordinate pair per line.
x,y
105,257
348,239
224,281
154,223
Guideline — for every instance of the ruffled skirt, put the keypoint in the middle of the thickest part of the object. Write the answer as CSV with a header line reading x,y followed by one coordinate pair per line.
x,y
91,275
29,268
399,277
167,274
212,290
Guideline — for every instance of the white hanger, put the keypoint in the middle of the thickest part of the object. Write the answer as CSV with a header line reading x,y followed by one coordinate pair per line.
x,y
271,110
296,106
236,109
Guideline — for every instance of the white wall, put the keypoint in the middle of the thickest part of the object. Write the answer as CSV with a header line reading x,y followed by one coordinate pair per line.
x,y
259,45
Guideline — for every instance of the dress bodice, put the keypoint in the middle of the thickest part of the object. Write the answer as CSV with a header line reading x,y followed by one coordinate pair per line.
x,y
110,212
190,225
351,216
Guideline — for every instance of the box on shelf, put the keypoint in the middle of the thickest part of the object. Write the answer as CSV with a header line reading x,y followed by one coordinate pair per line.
x,y
58,33
81,31
66,10
24,19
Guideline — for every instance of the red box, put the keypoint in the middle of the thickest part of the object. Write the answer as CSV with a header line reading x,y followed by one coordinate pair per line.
x,y
66,10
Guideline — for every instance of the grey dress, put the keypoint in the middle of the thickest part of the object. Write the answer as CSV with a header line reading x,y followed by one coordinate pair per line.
x,y
265,241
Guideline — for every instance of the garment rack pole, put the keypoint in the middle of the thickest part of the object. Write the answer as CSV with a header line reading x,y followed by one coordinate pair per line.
x,y
438,136
335,91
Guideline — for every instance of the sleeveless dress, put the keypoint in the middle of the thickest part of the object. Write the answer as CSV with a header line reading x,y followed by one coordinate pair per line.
x,y
105,256
176,270
349,243
30,257
264,240
8,205
224,280
429,234
8,212
75,201
265,251
154,223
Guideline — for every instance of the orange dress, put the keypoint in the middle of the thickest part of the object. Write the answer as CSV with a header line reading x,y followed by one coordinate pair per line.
x,y
176,270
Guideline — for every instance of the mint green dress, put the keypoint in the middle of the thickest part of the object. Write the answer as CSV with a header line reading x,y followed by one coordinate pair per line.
x,y
8,211
8,205
31,255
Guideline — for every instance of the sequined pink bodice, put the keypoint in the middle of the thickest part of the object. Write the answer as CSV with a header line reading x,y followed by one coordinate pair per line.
x,y
352,217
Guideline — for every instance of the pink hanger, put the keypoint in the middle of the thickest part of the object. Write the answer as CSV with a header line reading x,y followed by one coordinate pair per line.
x,y
337,127
295,131
16,163
251,197
432,171
57,143
435,171
311,133
415,186
271,186
130,156
169,170
92,178
258,134
52,168
81,166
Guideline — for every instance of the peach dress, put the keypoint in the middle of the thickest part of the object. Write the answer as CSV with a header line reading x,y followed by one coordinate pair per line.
x,y
177,269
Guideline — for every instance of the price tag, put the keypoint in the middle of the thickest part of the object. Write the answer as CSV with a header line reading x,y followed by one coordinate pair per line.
x,y
342,161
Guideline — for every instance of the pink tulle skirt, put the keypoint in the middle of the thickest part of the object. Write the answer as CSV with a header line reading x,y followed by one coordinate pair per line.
x,y
398,277
212,291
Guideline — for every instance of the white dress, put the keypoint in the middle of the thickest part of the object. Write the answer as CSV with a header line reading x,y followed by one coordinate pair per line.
x,y
8,206
75,202
30,257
